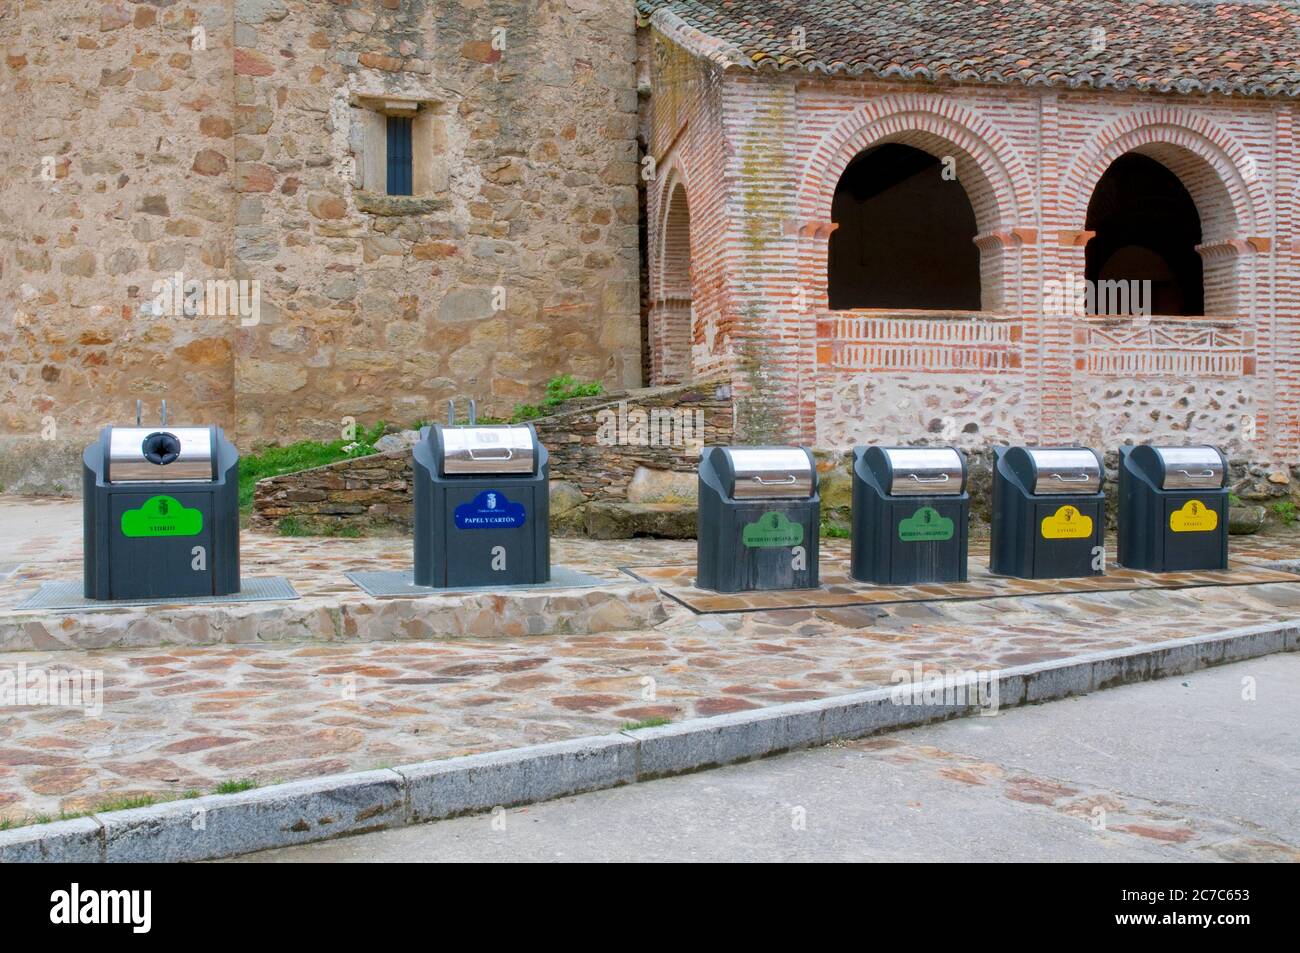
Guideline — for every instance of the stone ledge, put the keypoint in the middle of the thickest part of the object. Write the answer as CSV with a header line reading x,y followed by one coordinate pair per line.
x,y
394,205
615,607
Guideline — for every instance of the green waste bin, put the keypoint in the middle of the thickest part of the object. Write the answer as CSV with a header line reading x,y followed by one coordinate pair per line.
x,y
910,515
760,517
160,513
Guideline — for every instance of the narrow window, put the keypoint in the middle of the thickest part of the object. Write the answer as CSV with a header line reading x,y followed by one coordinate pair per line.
x,y
399,155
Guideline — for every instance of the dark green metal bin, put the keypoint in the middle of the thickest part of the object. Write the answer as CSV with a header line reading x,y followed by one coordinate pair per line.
x,y
1048,513
482,506
1173,508
760,519
911,515
160,513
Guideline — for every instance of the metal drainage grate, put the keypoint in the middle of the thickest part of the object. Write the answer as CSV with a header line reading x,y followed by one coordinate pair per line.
x,y
390,583
68,594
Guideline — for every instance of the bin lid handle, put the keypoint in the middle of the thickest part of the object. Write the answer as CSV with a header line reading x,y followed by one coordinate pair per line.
x,y
939,479
790,479
1064,479
1203,473
510,455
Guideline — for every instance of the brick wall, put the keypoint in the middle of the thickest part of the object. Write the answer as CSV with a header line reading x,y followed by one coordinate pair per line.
x,y
775,146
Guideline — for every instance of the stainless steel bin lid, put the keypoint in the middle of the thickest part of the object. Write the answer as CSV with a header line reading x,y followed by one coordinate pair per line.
x,y
1190,468
924,471
1065,470
766,473
160,455
487,450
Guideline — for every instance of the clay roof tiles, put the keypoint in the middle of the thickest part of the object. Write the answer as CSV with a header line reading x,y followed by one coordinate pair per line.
x,y
1183,46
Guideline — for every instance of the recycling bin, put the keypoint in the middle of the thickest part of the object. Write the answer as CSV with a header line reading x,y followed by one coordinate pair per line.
x,y
1048,512
160,510
1173,508
910,515
482,506
760,518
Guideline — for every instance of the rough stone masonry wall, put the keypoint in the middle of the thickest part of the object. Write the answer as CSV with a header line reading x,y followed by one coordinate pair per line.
x,y
374,492
106,113
237,153
382,307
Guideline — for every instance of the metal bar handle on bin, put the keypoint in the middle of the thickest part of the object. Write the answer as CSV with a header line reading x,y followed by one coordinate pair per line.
x,y
1064,479
451,412
510,455
786,482
1203,473
939,479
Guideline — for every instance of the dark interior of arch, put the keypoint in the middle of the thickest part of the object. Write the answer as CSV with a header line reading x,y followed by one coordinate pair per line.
x,y
905,236
1147,230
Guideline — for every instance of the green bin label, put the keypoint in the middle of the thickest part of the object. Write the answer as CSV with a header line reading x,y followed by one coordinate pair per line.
x,y
162,516
925,525
772,529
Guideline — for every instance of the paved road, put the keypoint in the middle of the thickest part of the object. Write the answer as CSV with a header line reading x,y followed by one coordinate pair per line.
x,y
1174,770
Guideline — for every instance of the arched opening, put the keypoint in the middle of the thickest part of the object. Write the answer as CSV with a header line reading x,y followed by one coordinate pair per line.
x,y
905,235
1143,257
673,317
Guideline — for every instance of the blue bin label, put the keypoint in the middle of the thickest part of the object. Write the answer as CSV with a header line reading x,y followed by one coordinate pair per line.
x,y
490,510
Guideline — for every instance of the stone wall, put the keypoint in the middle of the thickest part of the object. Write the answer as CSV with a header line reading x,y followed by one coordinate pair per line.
x,y
599,448
110,123
366,494
235,139
639,448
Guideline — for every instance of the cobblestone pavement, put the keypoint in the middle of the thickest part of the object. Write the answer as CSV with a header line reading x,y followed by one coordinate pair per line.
x,y
188,718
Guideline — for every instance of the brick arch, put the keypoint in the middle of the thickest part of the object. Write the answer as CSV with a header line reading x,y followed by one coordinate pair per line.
x,y
994,176
671,308
1217,172
990,169
1214,168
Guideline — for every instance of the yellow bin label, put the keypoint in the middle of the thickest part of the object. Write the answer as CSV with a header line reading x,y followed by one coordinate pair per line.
x,y
1067,523
1193,517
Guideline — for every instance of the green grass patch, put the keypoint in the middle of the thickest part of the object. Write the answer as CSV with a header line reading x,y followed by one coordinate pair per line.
x,y
124,804
657,722
234,787
303,455
103,807
1285,511
558,390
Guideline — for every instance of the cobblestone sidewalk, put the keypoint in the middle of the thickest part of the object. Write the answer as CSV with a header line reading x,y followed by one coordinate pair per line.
x,y
188,718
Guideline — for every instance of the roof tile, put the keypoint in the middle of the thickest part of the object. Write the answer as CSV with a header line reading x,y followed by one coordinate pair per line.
x,y
1187,46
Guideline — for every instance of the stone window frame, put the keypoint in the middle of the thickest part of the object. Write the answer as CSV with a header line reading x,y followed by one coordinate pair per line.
x,y
370,144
